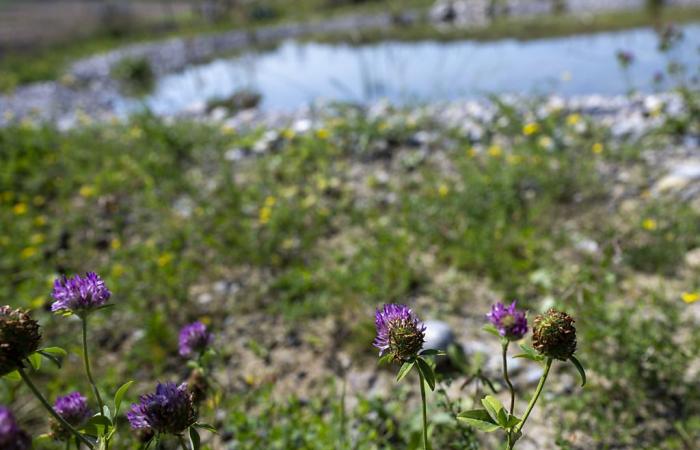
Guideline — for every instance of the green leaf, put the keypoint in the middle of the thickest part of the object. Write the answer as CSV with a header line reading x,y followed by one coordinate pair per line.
x,y
479,419
529,353
512,421
12,376
427,372
456,355
490,328
495,409
55,351
405,369
386,359
97,425
35,360
206,426
432,352
579,367
194,438
119,396
54,359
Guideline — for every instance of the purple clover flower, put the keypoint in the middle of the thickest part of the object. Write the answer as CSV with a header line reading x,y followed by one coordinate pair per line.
x,y
11,436
510,323
73,408
79,295
399,332
168,410
194,339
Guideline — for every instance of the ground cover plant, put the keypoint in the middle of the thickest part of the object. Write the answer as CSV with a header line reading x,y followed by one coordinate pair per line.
x,y
250,265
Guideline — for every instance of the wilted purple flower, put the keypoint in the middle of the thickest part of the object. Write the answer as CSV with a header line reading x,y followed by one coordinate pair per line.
x,y
168,410
73,408
11,436
78,294
511,323
399,332
194,339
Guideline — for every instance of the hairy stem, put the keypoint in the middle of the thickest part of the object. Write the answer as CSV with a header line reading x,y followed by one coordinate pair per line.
x,y
86,359
505,376
426,446
50,409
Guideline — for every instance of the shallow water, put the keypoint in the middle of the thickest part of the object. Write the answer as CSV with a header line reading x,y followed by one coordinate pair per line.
x,y
295,73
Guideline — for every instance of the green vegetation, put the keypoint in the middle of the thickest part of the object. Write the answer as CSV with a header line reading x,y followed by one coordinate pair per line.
x,y
287,252
135,75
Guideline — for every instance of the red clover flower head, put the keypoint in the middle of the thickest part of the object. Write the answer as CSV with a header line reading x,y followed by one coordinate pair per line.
x,y
194,339
11,436
168,410
78,294
399,332
510,323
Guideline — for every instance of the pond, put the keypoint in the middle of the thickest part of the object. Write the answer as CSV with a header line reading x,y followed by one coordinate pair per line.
x,y
297,73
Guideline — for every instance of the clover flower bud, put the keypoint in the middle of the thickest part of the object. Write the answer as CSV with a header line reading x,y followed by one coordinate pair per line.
x,y
554,335
19,338
399,332
194,339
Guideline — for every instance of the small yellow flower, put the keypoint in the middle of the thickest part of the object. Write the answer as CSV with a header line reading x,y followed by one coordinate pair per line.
x,y
40,220
28,252
383,126
39,200
19,209
117,270
514,160
135,132
597,148
495,151
690,297
573,119
471,152
165,259
37,239
116,244
264,215
228,130
38,302
443,190
270,201
649,224
530,128
288,134
87,191
323,134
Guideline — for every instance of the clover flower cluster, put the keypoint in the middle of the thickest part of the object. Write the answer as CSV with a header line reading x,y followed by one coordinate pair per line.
x,y
73,408
510,323
169,410
400,333
78,294
19,338
194,339
12,437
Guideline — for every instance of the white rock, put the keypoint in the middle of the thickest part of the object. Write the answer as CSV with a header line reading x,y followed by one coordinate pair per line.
x,y
438,335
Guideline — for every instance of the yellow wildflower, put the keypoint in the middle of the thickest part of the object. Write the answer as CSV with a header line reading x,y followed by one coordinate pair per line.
x,y
39,200
87,191
471,152
597,148
19,209
165,258
116,244
323,134
443,190
690,297
37,239
270,201
40,220
530,128
117,270
514,160
37,302
28,252
573,119
228,129
495,151
545,141
649,224
288,134
264,215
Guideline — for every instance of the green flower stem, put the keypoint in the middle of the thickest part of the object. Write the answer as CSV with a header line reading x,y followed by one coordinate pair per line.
x,y
505,376
182,442
50,409
538,391
426,446
86,358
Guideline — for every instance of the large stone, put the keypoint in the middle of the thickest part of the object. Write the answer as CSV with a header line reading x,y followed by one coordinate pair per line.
x,y
438,335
